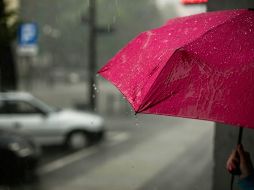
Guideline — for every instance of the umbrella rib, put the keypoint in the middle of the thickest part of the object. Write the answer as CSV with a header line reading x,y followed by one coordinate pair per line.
x,y
142,107
151,105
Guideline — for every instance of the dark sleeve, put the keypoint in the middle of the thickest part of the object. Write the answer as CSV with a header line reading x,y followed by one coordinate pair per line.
x,y
247,183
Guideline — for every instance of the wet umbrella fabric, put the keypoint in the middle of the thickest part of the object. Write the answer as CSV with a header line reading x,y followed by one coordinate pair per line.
x,y
200,66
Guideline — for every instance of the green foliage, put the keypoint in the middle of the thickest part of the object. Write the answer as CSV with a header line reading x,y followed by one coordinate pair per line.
x,y
7,31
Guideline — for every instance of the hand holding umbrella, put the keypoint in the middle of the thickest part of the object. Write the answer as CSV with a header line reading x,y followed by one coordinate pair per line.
x,y
239,163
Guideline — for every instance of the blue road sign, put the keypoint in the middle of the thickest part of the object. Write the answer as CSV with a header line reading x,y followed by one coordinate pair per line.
x,y
28,34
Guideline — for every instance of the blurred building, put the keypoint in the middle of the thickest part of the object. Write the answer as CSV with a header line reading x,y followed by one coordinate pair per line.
x,y
61,63
61,66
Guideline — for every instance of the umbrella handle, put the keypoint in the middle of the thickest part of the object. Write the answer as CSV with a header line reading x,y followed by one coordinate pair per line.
x,y
237,172
239,141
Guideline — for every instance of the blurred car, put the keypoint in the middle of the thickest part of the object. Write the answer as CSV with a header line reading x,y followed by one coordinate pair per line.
x,y
24,113
19,157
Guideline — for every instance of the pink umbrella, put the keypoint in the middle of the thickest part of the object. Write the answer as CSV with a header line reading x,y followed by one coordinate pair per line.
x,y
199,66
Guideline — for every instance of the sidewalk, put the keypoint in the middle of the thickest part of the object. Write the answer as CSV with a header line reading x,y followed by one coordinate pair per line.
x,y
173,158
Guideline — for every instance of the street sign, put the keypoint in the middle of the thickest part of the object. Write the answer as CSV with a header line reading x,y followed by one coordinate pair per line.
x,y
28,39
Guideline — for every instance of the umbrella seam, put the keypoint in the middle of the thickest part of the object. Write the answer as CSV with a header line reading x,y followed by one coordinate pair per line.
x,y
215,27
148,93
175,51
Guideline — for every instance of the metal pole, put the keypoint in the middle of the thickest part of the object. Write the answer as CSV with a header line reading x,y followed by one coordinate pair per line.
x,y
92,53
240,134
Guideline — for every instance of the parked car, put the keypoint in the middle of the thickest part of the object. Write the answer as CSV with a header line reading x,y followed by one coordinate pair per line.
x,y
19,157
26,114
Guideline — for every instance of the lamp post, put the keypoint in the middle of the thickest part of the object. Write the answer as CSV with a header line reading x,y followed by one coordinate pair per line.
x,y
94,32
92,52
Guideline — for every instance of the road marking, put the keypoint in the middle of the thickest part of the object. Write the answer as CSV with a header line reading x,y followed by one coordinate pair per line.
x,y
113,138
117,137
134,168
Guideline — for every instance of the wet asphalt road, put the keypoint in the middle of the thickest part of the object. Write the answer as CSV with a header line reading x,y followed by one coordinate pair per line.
x,y
143,153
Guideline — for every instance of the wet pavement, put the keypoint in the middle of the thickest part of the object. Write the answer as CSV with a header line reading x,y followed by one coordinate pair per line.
x,y
143,153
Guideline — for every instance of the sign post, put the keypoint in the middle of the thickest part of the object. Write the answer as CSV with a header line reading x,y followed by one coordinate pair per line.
x,y
27,39
27,49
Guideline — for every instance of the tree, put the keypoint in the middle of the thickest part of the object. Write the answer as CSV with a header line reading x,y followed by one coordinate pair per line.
x,y
8,78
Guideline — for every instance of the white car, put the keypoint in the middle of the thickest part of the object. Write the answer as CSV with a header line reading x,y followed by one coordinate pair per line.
x,y
49,126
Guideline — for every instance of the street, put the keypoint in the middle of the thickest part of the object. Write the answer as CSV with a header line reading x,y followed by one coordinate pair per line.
x,y
139,153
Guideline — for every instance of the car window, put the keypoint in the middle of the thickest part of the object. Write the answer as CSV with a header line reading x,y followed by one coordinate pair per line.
x,y
21,107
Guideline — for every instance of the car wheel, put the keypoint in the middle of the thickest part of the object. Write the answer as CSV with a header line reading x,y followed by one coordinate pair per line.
x,y
77,140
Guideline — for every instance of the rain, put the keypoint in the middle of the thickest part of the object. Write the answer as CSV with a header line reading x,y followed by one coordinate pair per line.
x,y
123,94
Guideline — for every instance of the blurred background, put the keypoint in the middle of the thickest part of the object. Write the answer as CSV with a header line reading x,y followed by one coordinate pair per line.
x,y
64,55
64,127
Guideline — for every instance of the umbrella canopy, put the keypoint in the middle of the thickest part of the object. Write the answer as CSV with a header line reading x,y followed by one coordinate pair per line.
x,y
200,66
